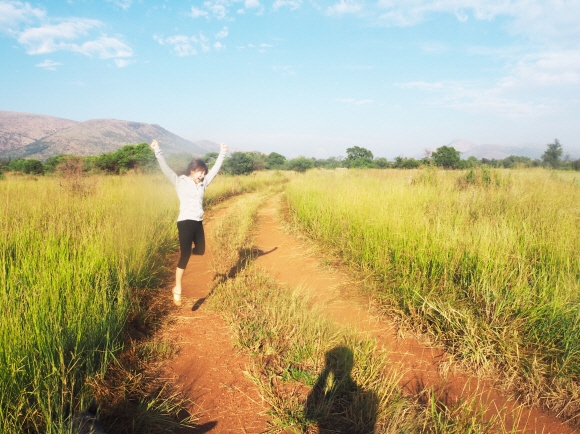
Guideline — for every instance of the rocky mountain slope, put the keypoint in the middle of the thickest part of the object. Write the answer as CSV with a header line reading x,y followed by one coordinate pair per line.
x,y
38,136
21,129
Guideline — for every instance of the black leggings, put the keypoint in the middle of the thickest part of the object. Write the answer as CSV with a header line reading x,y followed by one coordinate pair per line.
x,y
190,232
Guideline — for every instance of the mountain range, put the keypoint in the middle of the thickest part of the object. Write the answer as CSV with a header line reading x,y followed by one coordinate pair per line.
x,y
27,135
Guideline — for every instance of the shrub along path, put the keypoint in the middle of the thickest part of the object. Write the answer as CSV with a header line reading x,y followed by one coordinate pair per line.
x,y
426,367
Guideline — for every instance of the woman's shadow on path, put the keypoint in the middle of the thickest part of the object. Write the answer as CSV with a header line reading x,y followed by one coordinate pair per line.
x,y
245,258
336,403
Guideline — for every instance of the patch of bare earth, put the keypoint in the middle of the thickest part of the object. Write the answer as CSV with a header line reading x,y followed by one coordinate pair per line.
x,y
209,369
426,367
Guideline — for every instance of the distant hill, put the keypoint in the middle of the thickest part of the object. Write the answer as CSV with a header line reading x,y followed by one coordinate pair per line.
x,y
28,135
20,129
498,152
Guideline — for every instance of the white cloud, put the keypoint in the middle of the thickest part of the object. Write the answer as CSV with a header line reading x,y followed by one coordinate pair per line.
x,y
123,4
48,38
533,85
554,69
477,98
263,47
538,19
204,43
488,101
39,34
222,33
461,16
105,48
15,13
344,7
292,4
49,65
181,45
250,4
122,63
196,13
217,8
355,101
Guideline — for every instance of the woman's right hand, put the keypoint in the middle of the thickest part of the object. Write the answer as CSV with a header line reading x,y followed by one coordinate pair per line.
x,y
154,145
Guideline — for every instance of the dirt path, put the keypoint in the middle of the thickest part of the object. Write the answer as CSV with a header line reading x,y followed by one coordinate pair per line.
x,y
209,369
289,263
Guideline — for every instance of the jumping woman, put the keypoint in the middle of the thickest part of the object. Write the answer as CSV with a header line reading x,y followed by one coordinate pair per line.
x,y
190,189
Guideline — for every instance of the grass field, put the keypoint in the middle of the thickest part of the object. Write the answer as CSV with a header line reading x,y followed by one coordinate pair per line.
x,y
487,262
71,252
313,373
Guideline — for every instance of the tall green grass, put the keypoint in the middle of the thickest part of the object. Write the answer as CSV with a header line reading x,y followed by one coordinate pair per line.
x,y
486,261
67,262
71,250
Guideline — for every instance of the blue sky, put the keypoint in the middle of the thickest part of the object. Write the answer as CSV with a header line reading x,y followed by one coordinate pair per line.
x,y
303,77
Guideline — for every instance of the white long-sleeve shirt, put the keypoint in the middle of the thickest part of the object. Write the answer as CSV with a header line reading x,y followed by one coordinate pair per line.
x,y
190,194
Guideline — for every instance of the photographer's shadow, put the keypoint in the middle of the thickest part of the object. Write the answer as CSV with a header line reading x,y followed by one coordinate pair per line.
x,y
336,403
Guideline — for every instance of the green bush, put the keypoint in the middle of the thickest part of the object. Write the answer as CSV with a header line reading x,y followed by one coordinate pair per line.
x,y
240,163
28,166
447,157
300,164
357,157
275,161
381,163
129,157
406,163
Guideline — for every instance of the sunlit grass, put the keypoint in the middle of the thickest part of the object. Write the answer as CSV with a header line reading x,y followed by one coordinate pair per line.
x,y
71,251
314,374
487,262
68,261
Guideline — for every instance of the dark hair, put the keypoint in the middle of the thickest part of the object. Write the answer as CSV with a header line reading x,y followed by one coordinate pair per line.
x,y
194,166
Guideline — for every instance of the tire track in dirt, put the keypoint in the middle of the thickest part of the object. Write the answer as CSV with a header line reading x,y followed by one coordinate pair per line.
x,y
289,263
209,370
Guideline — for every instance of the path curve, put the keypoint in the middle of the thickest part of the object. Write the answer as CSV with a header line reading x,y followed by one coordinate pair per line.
x,y
289,263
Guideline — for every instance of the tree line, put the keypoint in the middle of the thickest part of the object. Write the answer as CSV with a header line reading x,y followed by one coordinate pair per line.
x,y
141,158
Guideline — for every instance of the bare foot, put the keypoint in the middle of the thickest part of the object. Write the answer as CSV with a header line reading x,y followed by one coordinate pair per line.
x,y
177,296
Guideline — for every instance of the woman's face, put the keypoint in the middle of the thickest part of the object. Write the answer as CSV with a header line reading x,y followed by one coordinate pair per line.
x,y
197,176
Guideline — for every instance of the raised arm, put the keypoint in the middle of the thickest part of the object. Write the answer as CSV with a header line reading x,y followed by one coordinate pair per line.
x,y
218,164
170,174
